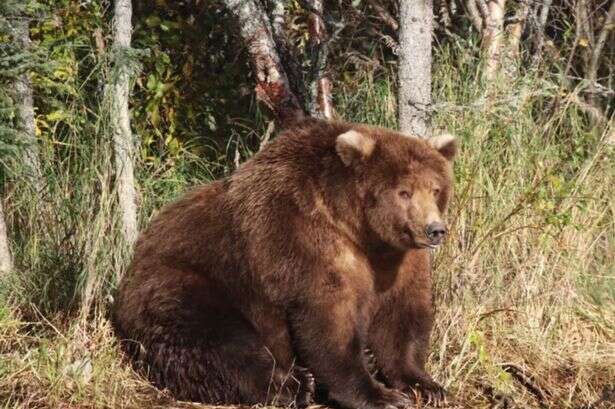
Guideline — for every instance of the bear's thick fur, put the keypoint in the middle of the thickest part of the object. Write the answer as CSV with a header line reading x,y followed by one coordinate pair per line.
x,y
313,250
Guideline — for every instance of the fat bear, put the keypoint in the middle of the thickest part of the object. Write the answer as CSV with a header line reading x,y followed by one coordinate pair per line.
x,y
249,288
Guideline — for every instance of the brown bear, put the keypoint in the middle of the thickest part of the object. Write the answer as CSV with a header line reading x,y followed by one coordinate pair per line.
x,y
313,250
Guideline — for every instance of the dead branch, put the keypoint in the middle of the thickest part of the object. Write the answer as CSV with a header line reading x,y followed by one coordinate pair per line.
x,y
526,380
383,15
593,111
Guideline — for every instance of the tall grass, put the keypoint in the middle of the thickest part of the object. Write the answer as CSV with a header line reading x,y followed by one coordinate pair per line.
x,y
526,278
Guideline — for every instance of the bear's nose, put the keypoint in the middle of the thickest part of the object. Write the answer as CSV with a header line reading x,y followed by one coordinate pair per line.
x,y
435,232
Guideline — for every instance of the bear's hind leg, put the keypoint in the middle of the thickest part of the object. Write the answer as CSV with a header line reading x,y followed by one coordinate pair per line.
x,y
236,371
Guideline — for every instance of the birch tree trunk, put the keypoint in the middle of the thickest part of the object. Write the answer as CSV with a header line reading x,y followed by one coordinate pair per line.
x,y
272,84
414,72
320,86
25,111
539,38
119,88
493,34
6,260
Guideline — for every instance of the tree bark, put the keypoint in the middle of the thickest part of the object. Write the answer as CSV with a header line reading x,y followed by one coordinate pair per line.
x,y
272,85
320,87
585,33
120,121
414,71
492,37
474,15
539,38
6,260
515,30
25,111
592,74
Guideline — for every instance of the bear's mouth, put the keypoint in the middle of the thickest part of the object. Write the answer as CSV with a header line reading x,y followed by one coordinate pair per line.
x,y
409,237
428,245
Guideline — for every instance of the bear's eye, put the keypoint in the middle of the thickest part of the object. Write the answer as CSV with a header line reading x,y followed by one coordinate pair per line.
x,y
436,191
404,194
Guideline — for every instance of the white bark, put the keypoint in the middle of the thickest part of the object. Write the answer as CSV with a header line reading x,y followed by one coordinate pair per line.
x,y
539,39
414,72
474,16
493,33
273,87
6,260
120,122
25,111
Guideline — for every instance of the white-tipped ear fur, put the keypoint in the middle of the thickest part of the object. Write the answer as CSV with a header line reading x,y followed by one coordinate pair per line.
x,y
444,143
353,145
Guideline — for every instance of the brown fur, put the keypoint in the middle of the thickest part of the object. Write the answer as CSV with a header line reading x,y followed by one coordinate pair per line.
x,y
301,258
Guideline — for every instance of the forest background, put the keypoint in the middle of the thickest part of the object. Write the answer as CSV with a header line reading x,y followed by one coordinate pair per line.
x,y
524,286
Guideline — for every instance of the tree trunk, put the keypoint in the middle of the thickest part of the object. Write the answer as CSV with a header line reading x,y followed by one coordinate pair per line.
x,y
539,39
585,33
320,84
25,111
119,88
414,72
6,260
592,73
493,33
474,15
272,85
515,30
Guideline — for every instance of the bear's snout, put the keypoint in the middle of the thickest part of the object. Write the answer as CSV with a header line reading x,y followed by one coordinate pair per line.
x,y
435,232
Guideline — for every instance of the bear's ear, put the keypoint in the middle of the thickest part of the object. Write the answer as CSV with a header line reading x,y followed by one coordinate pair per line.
x,y
352,146
444,143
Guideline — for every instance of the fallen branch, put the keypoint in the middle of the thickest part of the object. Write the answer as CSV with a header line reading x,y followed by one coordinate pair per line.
x,y
526,380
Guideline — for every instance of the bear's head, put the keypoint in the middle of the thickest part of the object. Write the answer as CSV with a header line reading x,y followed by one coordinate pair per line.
x,y
404,184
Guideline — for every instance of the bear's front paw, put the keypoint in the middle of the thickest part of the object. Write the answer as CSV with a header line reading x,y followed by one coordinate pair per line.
x,y
390,399
429,392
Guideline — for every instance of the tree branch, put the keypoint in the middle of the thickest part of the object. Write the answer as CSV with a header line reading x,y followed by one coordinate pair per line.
x,y
384,15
